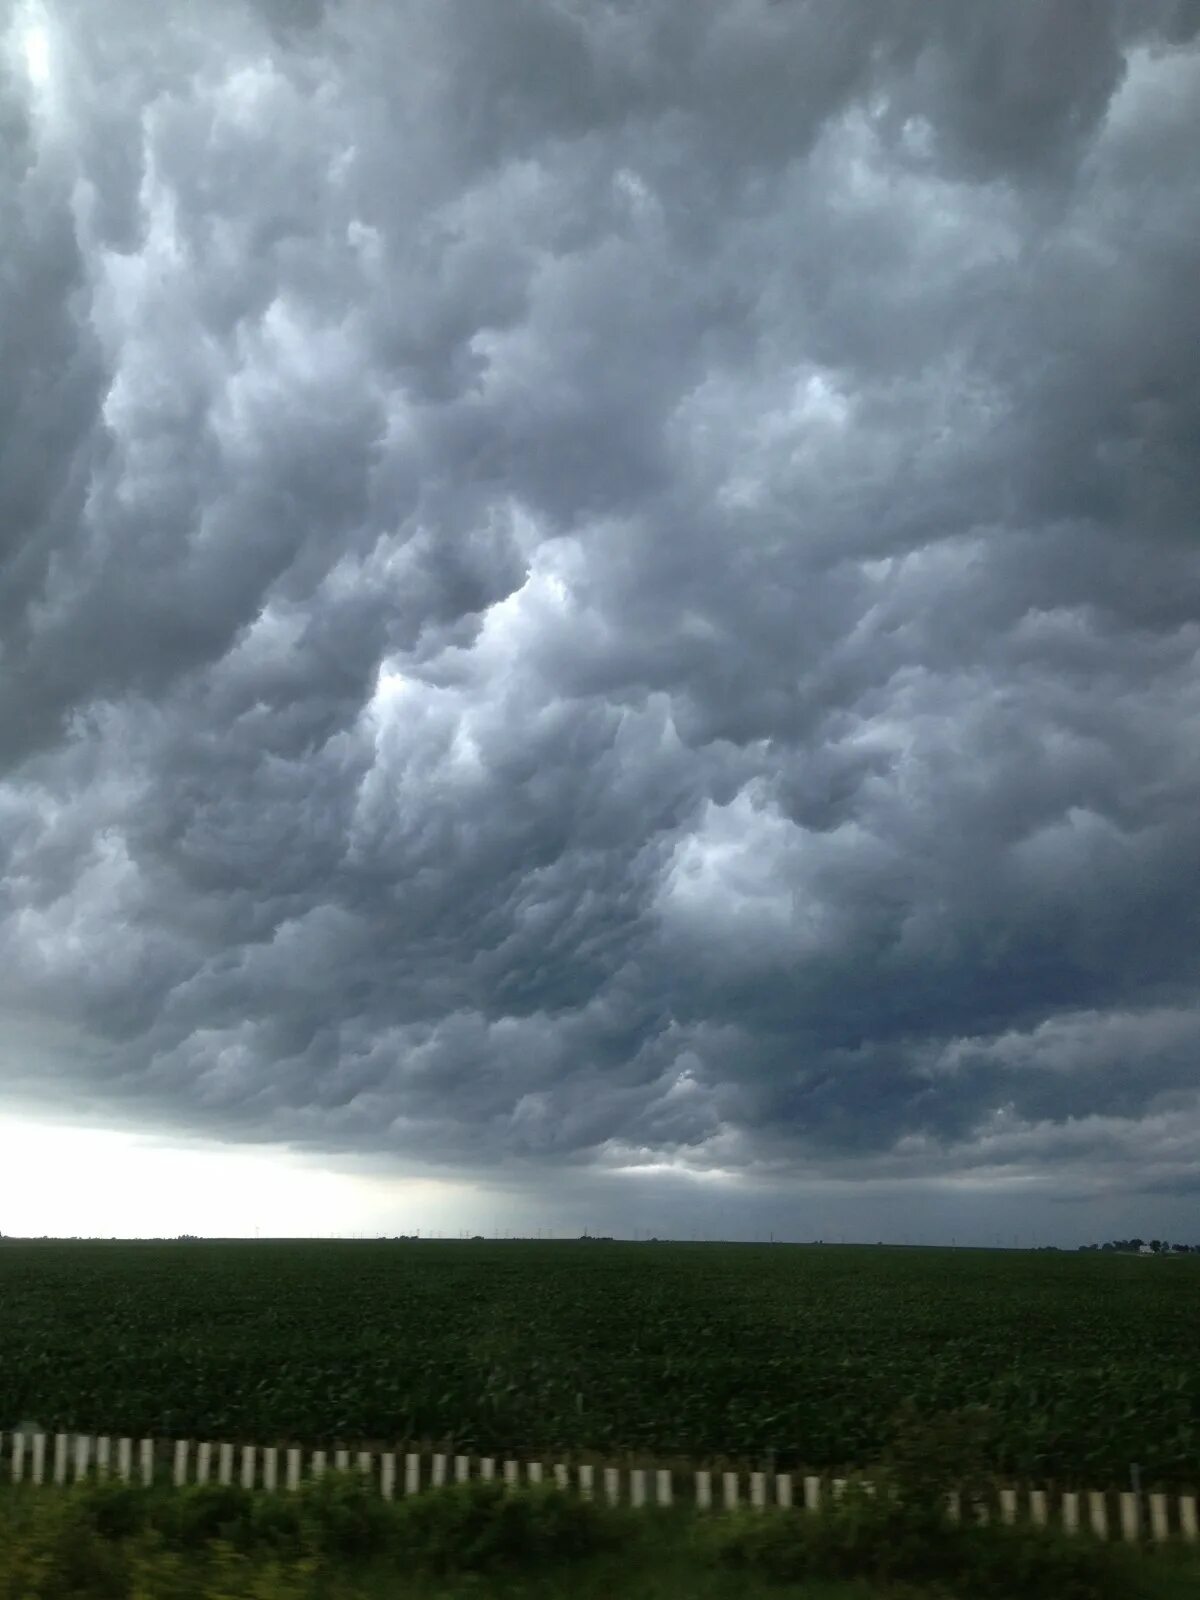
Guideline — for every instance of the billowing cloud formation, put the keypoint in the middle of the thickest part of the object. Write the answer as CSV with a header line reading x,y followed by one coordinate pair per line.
x,y
610,583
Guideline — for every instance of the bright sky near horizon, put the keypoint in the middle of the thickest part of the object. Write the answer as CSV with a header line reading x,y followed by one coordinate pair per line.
x,y
66,1181
69,1181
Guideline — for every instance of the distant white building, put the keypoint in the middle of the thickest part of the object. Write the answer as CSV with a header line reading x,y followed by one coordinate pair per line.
x,y
1145,1250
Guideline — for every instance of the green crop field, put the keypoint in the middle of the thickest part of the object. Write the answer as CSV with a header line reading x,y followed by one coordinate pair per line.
x,y
1089,1362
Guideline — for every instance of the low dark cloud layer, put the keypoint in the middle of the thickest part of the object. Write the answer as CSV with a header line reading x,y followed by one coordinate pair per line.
x,y
609,584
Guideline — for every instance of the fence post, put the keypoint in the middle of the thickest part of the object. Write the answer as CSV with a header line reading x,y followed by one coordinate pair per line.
x,y
147,1460
181,1457
1187,1518
783,1488
1160,1526
1070,1512
60,1458
1098,1513
1130,1521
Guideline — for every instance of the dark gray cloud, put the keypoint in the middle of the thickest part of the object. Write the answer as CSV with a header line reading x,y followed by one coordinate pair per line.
x,y
591,585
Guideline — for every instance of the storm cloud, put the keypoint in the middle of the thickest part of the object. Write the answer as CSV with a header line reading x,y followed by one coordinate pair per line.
x,y
608,584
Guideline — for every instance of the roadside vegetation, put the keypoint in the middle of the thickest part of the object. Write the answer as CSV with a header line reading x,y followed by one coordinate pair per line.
x,y
336,1539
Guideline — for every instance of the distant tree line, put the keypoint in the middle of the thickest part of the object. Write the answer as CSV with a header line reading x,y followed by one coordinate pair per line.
x,y
1160,1247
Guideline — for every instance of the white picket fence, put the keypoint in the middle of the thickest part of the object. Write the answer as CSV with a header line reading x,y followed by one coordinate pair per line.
x,y
1104,1513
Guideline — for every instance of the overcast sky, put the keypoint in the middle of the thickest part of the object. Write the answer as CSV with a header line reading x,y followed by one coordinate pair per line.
x,y
599,617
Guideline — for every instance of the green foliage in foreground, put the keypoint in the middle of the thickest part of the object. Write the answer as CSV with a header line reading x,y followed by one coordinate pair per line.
x,y
107,1541
1087,1362
900,1547
336,1540
895,1531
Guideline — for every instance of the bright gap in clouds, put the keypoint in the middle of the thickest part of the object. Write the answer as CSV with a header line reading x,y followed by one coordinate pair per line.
x,y
36,47
28,43
66,1181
